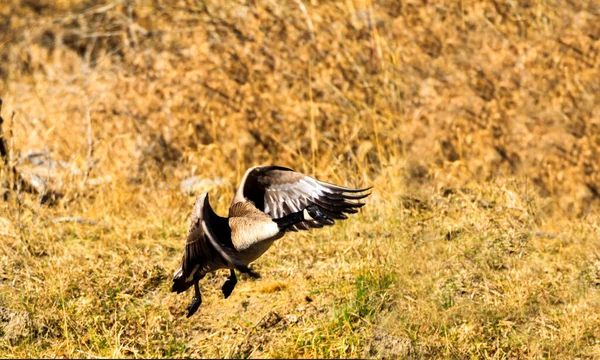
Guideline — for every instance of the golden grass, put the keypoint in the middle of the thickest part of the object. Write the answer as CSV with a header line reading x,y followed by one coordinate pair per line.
x,y
477,122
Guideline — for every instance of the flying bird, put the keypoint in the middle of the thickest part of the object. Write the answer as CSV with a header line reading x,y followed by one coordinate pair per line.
x,y
270,201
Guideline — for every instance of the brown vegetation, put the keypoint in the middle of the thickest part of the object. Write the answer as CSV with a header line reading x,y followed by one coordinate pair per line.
x,y
477,121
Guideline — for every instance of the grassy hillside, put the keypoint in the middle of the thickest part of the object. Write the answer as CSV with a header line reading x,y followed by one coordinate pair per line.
x,y
477,122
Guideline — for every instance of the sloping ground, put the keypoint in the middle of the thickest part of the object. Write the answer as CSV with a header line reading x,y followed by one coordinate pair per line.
x,y
477,122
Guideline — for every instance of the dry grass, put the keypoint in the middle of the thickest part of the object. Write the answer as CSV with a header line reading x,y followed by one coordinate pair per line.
x,y
477,122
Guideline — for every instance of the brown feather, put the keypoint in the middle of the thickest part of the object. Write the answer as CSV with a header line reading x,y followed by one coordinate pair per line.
x,y
280,191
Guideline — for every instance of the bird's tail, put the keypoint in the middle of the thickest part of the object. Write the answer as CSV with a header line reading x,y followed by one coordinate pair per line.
x,y
179,282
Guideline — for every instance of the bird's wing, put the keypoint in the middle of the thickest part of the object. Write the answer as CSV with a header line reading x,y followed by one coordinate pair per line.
x,y
279,191
202,242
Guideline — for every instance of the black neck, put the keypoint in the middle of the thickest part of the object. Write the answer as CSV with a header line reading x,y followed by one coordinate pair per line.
x,y
221,229
292,219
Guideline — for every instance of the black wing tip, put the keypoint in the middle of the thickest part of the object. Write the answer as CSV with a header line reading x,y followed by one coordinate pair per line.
x,y
359,190
180,285
344,189
366,189
353,197
316,224
338,207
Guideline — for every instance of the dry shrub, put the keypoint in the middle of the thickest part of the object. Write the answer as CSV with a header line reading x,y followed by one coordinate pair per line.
x,y
477,121
500,87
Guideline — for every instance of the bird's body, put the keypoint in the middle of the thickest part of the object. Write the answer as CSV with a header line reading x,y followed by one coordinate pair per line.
x,y
270,201
252,231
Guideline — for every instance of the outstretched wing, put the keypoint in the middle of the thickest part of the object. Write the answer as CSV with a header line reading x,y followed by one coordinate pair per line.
x,y
279,191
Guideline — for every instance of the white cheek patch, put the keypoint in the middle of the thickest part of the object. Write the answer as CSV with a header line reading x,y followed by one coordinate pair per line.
x,y
307,215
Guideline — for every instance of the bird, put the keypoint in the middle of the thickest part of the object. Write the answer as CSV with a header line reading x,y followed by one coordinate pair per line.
x,y
270,201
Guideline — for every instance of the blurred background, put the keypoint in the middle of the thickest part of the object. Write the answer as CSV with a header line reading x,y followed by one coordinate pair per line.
x,y
117,112
448,92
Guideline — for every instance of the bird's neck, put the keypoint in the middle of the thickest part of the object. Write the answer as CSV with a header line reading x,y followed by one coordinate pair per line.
x,y
287,221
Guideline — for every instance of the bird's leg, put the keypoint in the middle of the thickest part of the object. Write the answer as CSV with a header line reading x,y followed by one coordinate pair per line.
x,y
196,301
229,284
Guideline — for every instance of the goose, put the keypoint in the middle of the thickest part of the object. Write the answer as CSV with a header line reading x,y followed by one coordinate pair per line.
x,y
270,201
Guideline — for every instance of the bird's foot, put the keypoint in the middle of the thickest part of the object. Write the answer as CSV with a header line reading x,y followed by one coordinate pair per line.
x,y
228,288
193,306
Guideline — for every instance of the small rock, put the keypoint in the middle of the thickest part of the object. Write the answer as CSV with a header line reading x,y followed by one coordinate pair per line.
x,y
291,319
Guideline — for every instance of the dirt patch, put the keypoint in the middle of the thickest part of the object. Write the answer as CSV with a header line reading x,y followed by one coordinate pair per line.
x,y
386,346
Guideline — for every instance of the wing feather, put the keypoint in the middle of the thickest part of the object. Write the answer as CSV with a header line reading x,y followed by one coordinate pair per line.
x,y
280,191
